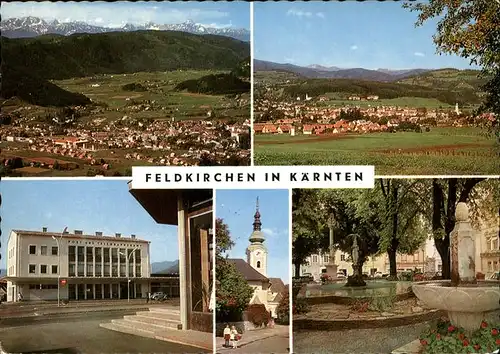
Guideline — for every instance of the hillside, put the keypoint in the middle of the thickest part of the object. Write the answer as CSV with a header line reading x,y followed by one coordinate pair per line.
x,y
220,84
450,79
385,90
58,57
157,267
318,71
17,82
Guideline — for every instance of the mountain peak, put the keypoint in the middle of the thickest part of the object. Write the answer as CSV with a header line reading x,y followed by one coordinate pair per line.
x,y
34,26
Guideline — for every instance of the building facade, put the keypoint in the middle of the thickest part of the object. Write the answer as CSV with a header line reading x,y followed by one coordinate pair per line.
x,y
88,267
267,291
425,259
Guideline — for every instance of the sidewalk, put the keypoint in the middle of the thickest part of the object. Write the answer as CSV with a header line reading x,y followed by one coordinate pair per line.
x,y
254,336
38,311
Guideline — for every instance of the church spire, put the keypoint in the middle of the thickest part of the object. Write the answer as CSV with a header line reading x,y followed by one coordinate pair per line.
x,y
256,222
257,236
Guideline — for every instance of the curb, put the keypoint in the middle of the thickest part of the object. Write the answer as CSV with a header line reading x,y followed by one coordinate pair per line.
x,y
255,340
69,313
190,344
339,325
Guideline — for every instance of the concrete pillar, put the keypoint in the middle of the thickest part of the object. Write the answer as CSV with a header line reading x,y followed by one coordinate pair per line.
x,y
184,265
463,251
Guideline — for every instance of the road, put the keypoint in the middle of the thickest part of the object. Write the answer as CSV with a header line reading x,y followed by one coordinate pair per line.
x,y
271,345
81,336
378,340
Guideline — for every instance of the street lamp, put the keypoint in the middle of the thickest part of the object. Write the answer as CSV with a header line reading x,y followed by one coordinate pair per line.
x,y
128,271
59,266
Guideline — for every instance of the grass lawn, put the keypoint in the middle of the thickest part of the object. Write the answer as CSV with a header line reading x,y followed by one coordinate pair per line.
x,y
442,151
181,105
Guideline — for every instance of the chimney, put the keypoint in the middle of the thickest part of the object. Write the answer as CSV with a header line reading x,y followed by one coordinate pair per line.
x,y
133,236
78,232
44,229
118,235
98,233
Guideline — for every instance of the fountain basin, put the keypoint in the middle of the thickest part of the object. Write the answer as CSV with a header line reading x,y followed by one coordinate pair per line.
x,y
466,305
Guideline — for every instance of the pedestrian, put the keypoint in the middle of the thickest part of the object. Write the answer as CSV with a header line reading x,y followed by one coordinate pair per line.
x,y
19,296
235,337
148,296
227,335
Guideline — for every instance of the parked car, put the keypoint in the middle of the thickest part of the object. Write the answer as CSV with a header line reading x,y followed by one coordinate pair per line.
x,y
158,296
495,276
341,275
307,277
378,275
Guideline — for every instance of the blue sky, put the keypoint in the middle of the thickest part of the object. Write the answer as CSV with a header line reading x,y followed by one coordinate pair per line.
x,y
116,14
237,208
90,206
348,34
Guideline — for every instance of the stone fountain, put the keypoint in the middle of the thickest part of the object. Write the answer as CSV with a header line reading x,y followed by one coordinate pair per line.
x,y
466,300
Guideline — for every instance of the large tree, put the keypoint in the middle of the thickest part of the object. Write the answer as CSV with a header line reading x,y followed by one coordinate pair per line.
x,y
394,205
307,227
470,29
446,194
232,292
340,213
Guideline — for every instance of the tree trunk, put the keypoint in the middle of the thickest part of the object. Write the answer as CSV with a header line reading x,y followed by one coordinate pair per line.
x,y
297,270
392,264
394,238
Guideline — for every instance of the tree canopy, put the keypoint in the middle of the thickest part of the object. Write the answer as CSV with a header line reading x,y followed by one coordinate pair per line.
x,y
470,29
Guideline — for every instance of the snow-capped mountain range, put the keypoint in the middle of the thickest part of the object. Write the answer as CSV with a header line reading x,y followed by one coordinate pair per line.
x,y
34,26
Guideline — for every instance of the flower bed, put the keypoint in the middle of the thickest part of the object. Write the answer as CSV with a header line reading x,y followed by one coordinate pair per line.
x,y
446,338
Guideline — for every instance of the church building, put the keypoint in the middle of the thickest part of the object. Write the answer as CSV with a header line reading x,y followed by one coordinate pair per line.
x,y
267,291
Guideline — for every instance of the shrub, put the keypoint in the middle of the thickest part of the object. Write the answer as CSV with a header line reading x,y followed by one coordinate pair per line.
x,y
360,305
300,305
258,315
446,338
325,278
283,310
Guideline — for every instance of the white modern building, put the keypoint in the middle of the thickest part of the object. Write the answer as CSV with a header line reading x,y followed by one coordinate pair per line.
x,y
88,266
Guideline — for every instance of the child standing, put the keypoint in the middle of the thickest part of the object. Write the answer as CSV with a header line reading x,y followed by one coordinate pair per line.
x,y
227,336
235,336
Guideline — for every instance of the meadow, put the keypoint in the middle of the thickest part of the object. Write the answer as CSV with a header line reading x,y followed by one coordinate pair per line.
x,y
160,88
441,151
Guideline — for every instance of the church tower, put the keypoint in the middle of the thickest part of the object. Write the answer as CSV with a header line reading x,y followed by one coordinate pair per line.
x,y
257,251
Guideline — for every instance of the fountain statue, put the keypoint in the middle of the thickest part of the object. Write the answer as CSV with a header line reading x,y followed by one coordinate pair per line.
x,y
357,278
466,300
331,267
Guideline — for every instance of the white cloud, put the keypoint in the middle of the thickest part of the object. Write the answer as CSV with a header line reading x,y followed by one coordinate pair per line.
x,y
419,54
354,47
105,14
304,14
274,232
289,60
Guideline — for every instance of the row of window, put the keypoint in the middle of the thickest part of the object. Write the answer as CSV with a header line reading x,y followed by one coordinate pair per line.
x,y
43,286
43,269
78,270
43,250
113,255
11,253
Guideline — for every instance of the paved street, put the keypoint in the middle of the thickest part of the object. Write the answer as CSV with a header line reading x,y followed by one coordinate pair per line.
x,y
82,336
379,340
271,345
267,340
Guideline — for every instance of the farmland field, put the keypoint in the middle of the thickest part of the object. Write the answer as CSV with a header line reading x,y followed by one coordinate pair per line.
x,y
441,151
158,87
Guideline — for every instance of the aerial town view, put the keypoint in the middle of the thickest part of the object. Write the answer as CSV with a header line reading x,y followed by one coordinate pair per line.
x,y
252,271
84,274
96,88
362,98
